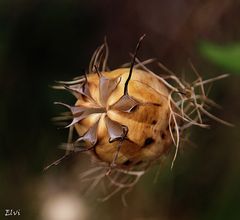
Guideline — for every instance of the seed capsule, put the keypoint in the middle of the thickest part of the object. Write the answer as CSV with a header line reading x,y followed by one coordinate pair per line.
x,y
105,117
129,117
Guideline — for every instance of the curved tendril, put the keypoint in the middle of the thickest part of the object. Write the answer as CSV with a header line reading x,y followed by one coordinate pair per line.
x,y
132,65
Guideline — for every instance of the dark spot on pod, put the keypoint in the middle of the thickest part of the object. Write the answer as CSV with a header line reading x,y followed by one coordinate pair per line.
x,y
163,135
139,162
154,122
127,162
156,104
148,141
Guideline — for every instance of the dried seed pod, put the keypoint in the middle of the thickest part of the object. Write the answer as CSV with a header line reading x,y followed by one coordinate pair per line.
x,y
130,117
136,119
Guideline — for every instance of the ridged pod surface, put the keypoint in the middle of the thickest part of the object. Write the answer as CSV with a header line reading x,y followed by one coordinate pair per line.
x,y
130,119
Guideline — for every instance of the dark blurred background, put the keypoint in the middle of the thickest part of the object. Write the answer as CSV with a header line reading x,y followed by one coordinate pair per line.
x,y
43,41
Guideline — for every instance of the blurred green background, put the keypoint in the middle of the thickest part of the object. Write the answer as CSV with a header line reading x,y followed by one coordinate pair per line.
x,y
46,40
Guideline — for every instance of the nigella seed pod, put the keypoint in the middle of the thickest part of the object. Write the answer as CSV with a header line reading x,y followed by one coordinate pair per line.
x,y
136,119
129,117
121,114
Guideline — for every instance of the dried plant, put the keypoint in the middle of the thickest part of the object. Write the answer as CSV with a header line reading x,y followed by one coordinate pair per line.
x,y
121,160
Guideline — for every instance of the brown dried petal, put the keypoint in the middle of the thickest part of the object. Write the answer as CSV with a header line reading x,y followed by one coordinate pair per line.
x,y
115,130
106,87
91,135
75,110
75,90
80,112
125,104
86,113
80,89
